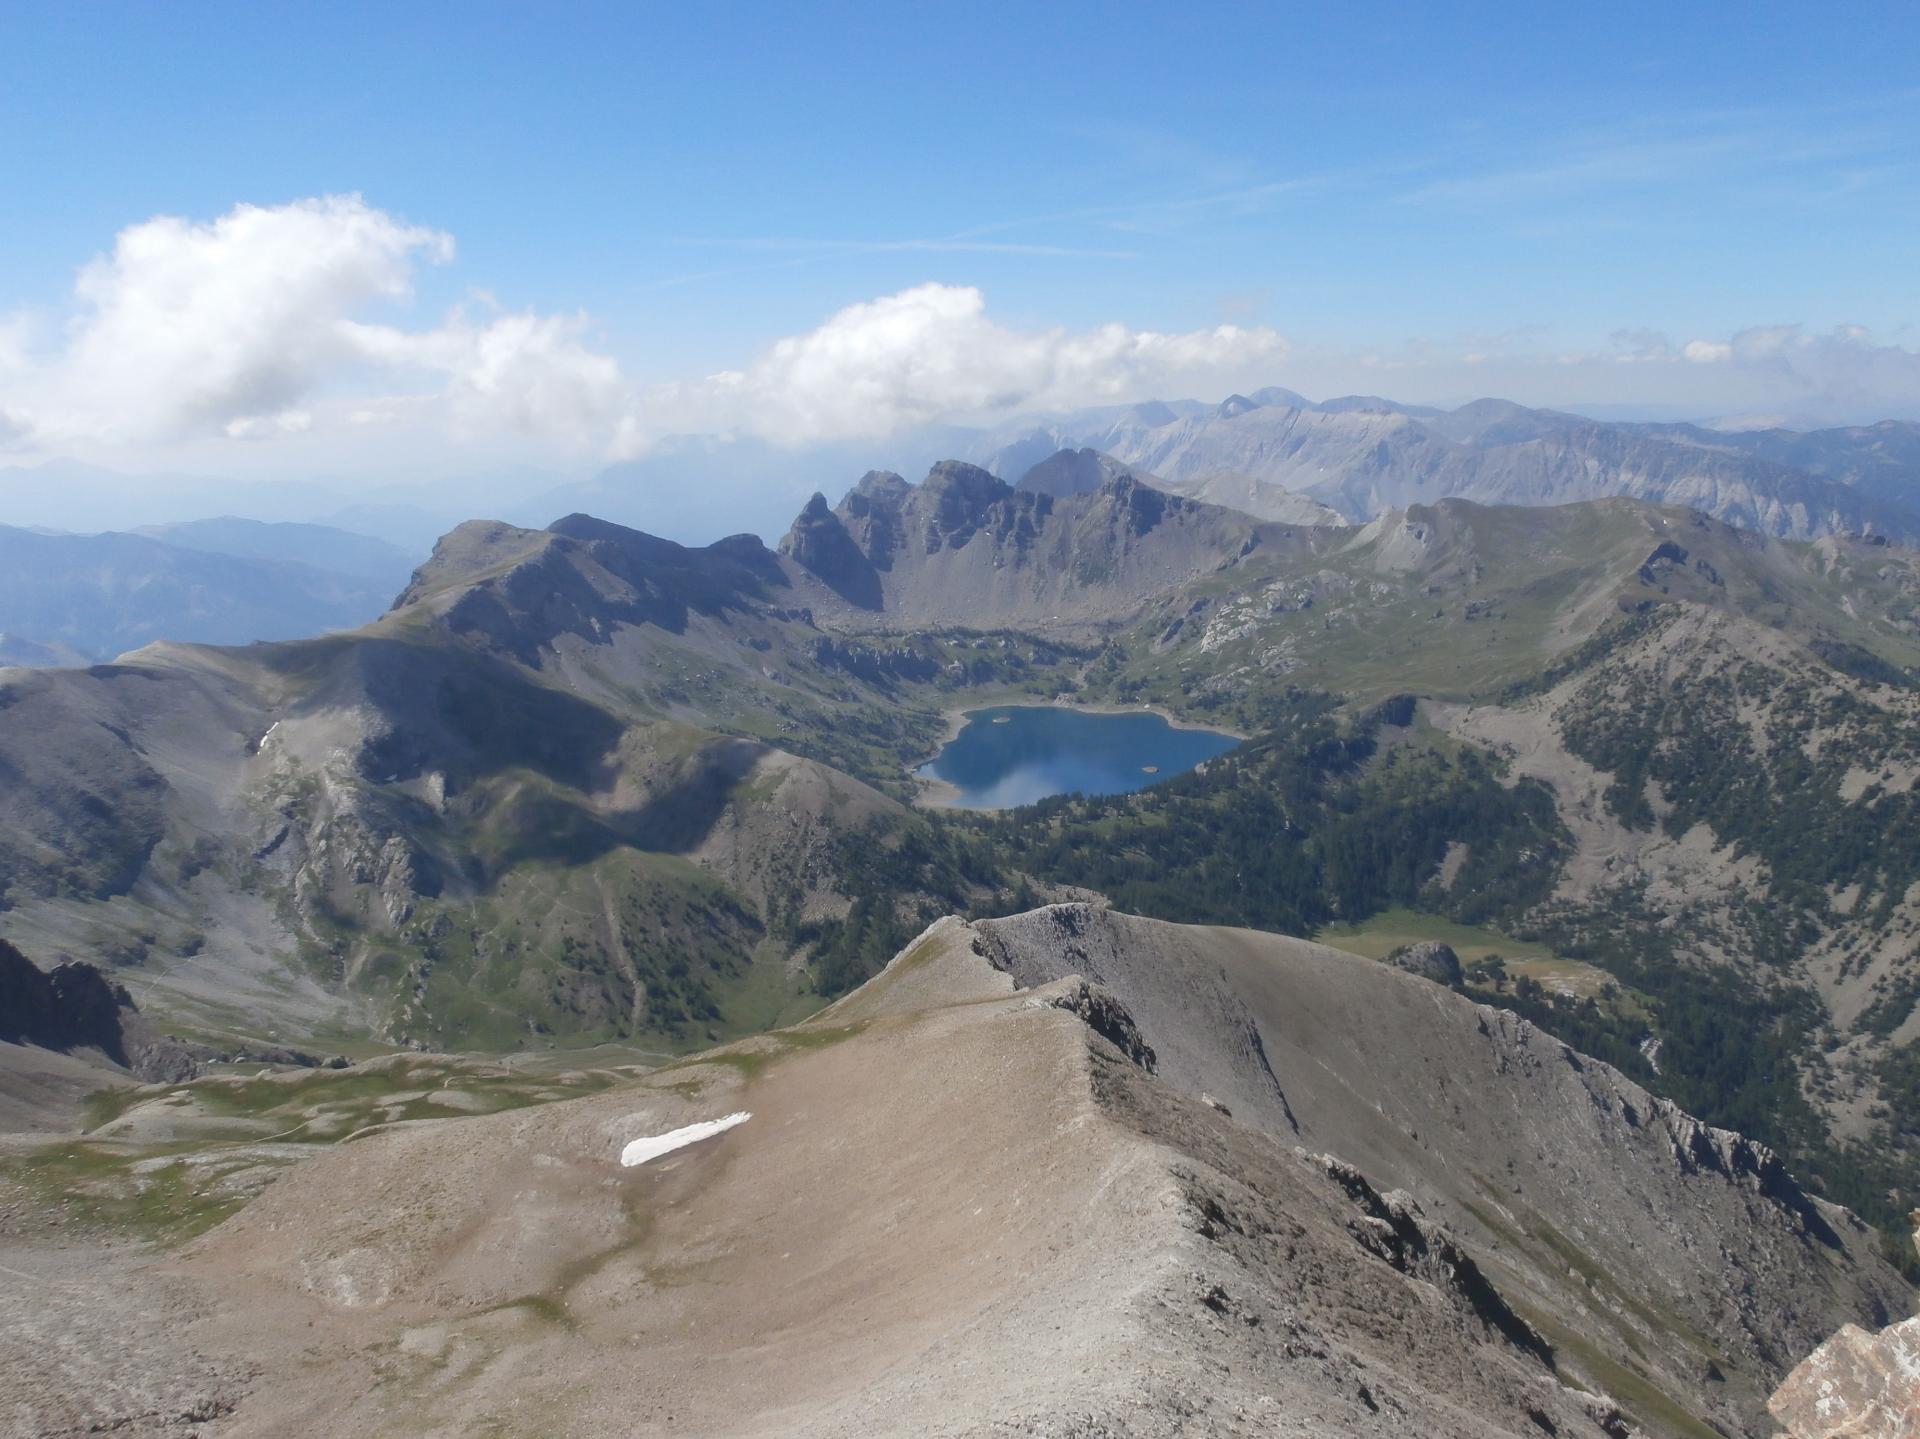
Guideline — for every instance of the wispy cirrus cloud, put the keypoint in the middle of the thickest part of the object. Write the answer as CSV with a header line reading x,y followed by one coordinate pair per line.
x,y
1824,150
965,243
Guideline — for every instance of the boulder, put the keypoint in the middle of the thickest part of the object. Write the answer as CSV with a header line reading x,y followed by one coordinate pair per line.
x,y
1430,959
1858,1385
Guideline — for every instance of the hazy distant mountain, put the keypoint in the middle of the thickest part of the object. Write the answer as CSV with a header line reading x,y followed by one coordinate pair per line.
x,y
72,496
18,650
1880,460
1363,455
90,597
321,546
1079,472
1075,472
1259,498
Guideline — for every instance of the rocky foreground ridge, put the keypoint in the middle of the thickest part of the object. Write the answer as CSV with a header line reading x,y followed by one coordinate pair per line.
x,y
1065,1173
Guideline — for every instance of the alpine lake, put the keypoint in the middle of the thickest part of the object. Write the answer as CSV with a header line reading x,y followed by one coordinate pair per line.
x,y
1016,754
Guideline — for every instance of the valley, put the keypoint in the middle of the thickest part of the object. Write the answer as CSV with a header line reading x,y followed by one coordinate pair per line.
x,y
585,804
1023,722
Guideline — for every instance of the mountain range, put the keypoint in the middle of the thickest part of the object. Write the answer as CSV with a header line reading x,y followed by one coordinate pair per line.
x,y
1360,456
1355,455
584,790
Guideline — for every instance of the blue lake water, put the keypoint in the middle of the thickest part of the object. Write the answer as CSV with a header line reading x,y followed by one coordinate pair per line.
x,y
1016,754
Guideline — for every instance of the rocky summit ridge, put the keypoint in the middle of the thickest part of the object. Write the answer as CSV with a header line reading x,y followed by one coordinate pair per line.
x,y
1436,1222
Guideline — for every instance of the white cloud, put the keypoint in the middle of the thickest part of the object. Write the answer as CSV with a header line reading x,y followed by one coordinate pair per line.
x,y
239,326
932,353
520,371
1843,371
275,321
187,328
286,327
262,427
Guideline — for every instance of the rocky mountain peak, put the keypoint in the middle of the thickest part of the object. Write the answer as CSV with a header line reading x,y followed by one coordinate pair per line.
x,y
1143,506
1071,472
878,487
955,482
954,502
467,550
820,541
1277,395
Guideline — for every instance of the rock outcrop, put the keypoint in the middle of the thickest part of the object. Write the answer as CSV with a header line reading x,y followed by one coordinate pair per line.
x,y
1858,1385
75,1006
1430,959
820,542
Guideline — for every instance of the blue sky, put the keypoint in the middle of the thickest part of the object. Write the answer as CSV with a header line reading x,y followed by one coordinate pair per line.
x,y
1443,200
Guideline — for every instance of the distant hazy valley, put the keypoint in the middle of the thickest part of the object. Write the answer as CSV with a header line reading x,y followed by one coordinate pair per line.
x,y
82,598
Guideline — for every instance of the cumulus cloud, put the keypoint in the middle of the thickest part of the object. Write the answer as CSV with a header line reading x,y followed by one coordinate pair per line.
x,y
930,353
234,326
276,321
521,371
187,328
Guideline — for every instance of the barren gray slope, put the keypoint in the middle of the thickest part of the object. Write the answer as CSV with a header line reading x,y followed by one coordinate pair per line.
x,y
976,1219
1263,499
1668,1249
960,1208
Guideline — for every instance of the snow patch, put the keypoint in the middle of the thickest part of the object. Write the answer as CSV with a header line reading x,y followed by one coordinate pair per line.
x,y
641,1150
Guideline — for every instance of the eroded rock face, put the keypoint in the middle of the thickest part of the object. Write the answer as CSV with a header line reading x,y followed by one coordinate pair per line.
x,y
820,541
72,1005
75,1006
1855,1386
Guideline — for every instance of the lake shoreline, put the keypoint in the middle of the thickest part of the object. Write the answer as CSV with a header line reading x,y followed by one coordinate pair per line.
x,y
935,793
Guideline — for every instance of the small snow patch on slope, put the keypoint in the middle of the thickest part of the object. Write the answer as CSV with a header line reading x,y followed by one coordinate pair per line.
x,y
641,1150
